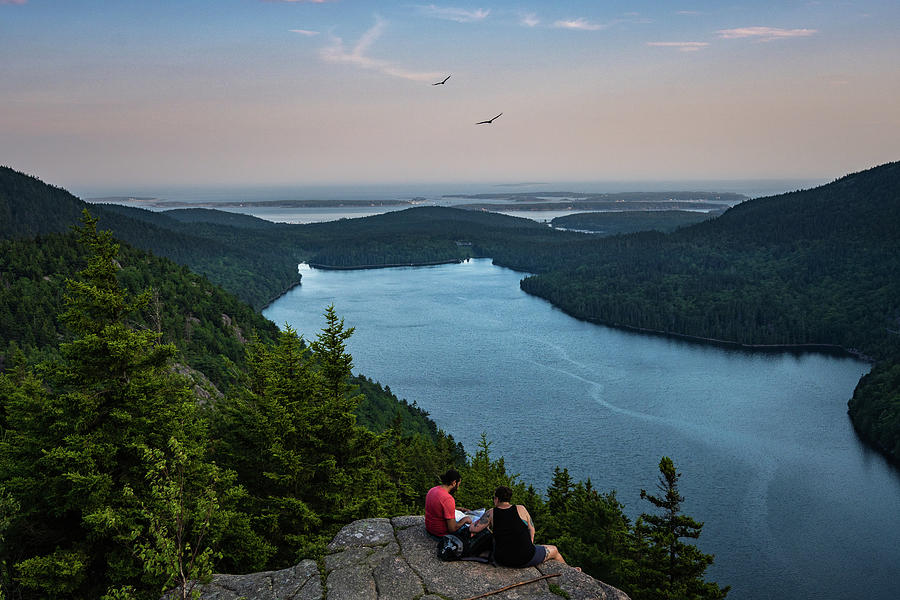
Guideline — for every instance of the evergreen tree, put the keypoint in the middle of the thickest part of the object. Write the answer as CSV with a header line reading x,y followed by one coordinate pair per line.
x,y
559,492
264,433
334,362
175,546
352,475
412,463
590,528
293,439
665,568
78,430
483,475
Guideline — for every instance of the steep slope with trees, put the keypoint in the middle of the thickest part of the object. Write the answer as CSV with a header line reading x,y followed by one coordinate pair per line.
x,y
116,482
815,268
119,479
208,325
79,432
255,272
111,484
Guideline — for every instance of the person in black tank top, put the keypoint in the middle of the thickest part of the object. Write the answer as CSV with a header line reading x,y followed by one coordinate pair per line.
x,y
514,534
512,538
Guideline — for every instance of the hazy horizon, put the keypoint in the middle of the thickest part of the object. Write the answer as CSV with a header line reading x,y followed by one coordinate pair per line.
x,y
751,188
134,95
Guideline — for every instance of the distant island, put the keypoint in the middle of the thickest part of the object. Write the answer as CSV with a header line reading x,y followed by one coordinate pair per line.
x,y
729,198
706,202
167,204
124,199
605,206
619,201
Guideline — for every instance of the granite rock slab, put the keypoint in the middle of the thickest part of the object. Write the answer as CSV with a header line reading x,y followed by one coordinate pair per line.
x,y
395,559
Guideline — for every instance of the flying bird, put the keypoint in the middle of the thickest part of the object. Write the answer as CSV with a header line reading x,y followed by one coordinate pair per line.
x,y
489,121
442,82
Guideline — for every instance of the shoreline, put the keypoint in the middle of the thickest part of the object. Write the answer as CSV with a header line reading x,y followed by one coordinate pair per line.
x,y
833,349
830,349
384,266
281,293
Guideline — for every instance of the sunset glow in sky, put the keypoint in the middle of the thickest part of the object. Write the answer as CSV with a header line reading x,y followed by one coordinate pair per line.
x,y
246,92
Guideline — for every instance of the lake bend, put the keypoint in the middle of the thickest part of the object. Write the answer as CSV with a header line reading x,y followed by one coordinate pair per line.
x,y
794,505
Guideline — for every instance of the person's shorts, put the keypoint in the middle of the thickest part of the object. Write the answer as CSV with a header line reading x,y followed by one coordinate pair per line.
x,y
540,555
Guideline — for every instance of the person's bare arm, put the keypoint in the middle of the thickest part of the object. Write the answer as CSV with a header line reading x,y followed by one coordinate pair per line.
x,y
523,514
483,522
453,524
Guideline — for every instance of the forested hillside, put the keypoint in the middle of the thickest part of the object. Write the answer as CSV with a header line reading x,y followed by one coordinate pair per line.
x,y
619,222
209,326
120,479
812,268
257,260
255,272
816,267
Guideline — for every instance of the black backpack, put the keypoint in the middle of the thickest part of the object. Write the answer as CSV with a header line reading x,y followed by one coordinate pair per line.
x,y
450,548
462,546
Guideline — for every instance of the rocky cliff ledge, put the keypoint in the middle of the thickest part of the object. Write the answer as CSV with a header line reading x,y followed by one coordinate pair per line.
x,y
381,559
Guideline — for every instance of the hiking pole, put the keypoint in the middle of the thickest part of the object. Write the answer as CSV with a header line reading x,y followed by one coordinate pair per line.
x,y
503,589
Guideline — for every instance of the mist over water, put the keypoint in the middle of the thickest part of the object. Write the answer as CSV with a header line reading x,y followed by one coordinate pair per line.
x,y
794,505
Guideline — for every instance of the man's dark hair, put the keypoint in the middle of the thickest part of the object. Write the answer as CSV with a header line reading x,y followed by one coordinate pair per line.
x,y
450,476
503,493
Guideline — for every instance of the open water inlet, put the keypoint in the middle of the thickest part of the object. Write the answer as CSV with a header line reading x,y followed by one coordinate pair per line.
x,y
793,504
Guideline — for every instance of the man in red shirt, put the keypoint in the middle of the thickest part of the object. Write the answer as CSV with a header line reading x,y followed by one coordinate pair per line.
x,y
440,506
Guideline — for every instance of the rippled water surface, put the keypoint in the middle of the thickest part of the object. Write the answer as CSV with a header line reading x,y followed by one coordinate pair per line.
x,y
795,506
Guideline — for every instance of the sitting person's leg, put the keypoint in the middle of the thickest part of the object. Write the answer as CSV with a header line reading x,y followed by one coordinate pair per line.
x,y
553,554
540,555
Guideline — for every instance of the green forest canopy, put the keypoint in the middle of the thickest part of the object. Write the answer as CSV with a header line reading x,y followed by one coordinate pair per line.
x,y
120,477
817,267
813,267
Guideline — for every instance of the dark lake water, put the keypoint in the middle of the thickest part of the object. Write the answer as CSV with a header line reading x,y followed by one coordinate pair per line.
x,y
794,505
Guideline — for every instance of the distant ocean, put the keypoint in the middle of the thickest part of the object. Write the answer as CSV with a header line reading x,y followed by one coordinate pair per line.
x,y
753,188
429,194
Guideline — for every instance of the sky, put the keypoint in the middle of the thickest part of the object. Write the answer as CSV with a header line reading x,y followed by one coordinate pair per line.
x,y
125,94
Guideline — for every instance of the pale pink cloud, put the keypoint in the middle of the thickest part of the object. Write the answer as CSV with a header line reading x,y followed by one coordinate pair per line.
x,y
529,20
13,1
681,46
460,15
581,24
306,32
765,34
359,55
